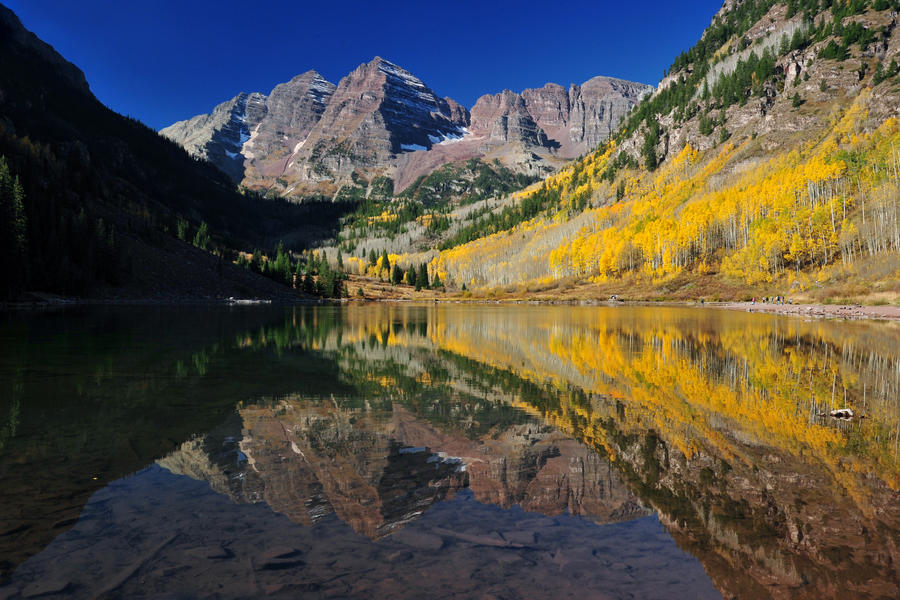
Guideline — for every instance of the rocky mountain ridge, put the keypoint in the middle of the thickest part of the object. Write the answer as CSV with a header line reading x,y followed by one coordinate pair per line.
x,y
309,136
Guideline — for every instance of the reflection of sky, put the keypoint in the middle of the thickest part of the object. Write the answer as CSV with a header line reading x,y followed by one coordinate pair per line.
x,y
155,533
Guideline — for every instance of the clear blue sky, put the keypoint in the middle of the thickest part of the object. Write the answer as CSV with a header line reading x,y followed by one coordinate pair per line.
x,y
166,60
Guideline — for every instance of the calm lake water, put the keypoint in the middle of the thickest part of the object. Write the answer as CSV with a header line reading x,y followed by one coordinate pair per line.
x,y
396,451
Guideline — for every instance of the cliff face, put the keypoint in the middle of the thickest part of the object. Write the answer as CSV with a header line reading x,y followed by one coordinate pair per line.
x,y
219,136
503,118
309,136
571,122
292,110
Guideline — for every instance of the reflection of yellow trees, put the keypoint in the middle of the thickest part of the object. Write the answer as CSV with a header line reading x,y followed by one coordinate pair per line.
x,y
709,385
712,381
835,199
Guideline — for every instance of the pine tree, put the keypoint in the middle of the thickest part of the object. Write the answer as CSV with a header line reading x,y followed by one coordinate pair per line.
x,y
282,265
181,227
201,239
19,221
386,263
256,263
422,277
651,139
396,275
297,278
879,75
13,233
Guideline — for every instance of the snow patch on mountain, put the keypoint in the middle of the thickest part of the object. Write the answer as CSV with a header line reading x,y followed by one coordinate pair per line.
x,y
450,138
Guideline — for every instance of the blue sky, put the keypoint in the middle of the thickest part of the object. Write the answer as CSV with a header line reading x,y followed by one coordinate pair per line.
x,y
166,60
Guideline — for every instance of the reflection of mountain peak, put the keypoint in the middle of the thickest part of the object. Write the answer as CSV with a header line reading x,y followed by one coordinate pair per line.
x,y
379,471
308,465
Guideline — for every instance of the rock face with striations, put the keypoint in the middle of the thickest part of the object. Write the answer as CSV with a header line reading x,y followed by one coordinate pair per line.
x,y
377,112
571,122
309,136
219,137
292,110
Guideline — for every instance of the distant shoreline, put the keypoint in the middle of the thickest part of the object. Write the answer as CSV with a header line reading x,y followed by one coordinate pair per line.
x,y
829,311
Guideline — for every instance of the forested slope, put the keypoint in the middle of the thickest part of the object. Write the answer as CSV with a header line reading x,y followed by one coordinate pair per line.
x,y
768,159
94,203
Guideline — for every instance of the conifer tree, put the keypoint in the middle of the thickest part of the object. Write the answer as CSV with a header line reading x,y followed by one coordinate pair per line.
x,y
201,238
386,263
13,233
651,139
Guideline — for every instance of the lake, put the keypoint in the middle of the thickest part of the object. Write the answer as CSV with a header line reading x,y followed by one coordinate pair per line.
x,y
447,451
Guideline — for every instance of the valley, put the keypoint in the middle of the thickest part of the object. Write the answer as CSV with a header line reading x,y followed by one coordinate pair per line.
x,y
764,163
433,325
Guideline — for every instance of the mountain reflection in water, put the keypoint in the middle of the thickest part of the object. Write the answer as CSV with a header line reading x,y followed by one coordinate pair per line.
x,y
449,450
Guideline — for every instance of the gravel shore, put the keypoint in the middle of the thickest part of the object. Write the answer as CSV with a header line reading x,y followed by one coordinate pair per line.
x,y
838,311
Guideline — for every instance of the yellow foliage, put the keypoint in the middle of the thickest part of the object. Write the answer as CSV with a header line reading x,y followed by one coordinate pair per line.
x,y
799,209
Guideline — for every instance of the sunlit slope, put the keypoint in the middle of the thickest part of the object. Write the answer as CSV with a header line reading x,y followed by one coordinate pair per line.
x,y
789,183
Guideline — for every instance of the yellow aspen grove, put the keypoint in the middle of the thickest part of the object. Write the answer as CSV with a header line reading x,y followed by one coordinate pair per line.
x,y
832,201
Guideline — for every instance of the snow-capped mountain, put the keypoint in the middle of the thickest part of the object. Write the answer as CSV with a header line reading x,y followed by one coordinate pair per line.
x,y
309,136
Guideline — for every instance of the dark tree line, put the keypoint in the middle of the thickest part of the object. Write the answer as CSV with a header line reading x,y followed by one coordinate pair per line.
x,y
98,187
46,245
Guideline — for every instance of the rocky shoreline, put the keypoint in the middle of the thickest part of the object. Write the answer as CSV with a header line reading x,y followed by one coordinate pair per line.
x,y
832,311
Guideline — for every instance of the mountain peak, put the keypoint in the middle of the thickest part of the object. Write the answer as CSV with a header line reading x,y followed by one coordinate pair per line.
x,y
11,28
311,75
395,71
314,136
